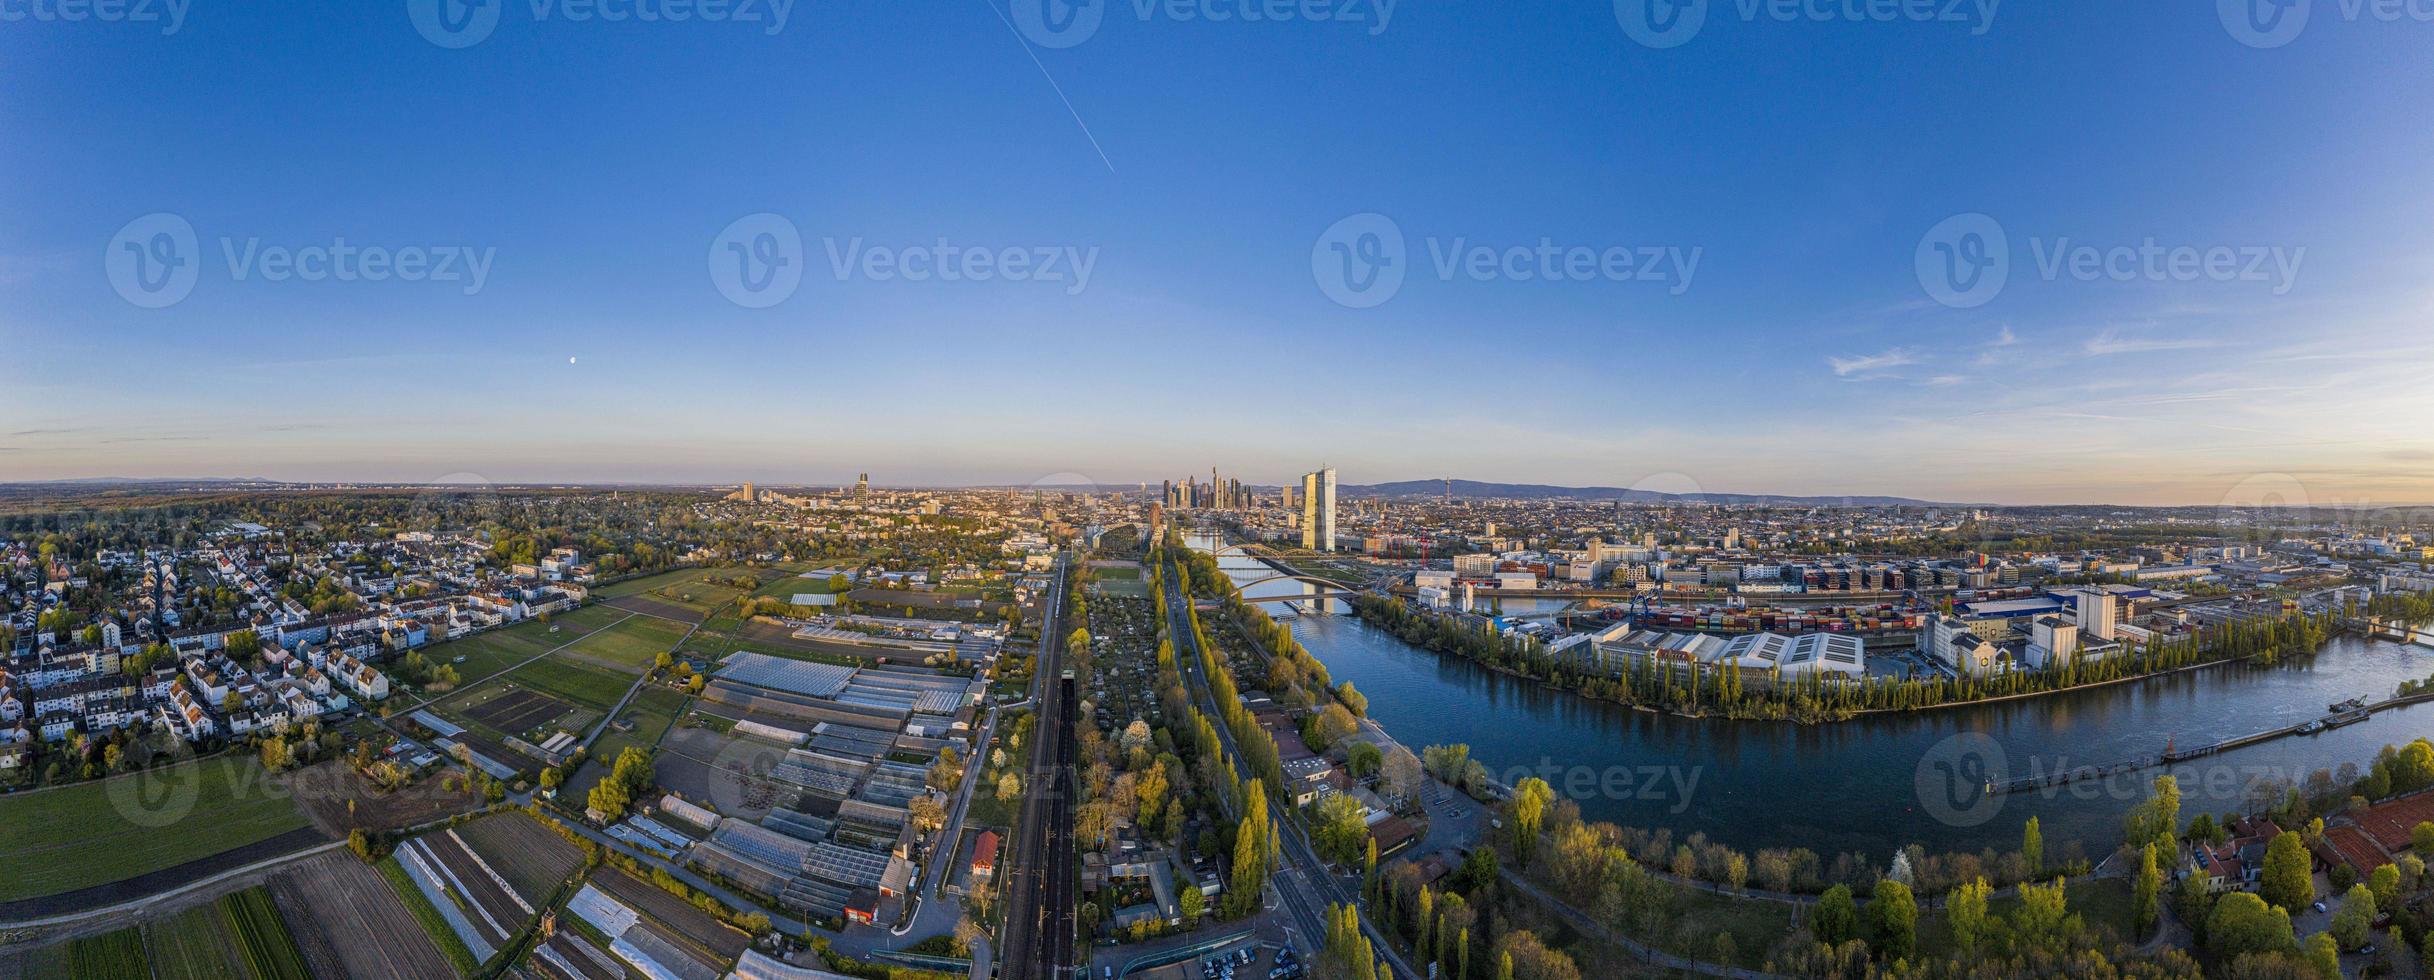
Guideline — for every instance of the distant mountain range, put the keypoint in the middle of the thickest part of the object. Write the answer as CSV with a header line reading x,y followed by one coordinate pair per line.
x,y
1540,491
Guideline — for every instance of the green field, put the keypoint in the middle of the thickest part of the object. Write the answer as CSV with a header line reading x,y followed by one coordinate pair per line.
x,y
488,653
633,644
109,956
241,935
589,686
652,712
669,586
60,840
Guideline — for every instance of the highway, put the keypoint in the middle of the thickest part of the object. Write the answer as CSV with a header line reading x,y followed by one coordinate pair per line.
x,y
1042,886
1302,885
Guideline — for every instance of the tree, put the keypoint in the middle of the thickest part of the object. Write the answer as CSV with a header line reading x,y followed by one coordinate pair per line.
x,y
1351,699
2421,838
1189,901
1340,831
2352,923
1009,786
609,799
2324,956
1362,758
1346,954
2032,846
926,812
1966,912
1893,919
2286,881
1836,920
2158,818
1401,774
1529,813
1332,724
2146,901
2242,923
2384,881
551,777
1532,960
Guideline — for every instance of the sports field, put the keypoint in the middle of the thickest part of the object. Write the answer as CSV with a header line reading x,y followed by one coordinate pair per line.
x,y
60,840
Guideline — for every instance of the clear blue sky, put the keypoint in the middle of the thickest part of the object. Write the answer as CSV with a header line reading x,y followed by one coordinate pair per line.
x,y
1198,164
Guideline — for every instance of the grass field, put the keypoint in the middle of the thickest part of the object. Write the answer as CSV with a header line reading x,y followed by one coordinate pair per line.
x,y
588,686
651,713
488,653
60,840
632,644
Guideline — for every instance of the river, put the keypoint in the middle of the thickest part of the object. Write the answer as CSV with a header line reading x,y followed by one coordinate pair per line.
x,y
1872,784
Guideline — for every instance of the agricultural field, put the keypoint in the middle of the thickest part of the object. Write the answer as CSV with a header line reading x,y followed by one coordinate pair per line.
x,y
349,923
239,936
532,858
109,956
475,905
339,800
87,834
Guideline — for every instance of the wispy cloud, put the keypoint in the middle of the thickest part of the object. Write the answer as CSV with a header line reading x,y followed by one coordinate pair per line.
x,y
1944,380
2110,343
1863,364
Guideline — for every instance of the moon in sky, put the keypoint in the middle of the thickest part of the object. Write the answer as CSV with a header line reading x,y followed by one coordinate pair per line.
x,y
570,360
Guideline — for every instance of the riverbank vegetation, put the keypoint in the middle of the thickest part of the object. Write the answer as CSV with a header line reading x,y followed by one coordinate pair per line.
x,y
1733,692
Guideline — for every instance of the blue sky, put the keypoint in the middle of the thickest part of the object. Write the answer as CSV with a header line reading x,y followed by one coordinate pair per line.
x,y
1197,165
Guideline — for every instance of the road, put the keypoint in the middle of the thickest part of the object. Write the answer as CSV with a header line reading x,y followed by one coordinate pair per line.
x,y
1301,886
1041,888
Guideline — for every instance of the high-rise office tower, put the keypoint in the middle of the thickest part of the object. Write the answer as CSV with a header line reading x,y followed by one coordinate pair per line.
x,y
862,488
1318,509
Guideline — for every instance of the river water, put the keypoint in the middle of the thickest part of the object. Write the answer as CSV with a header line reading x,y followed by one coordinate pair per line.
x,y
1874,784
